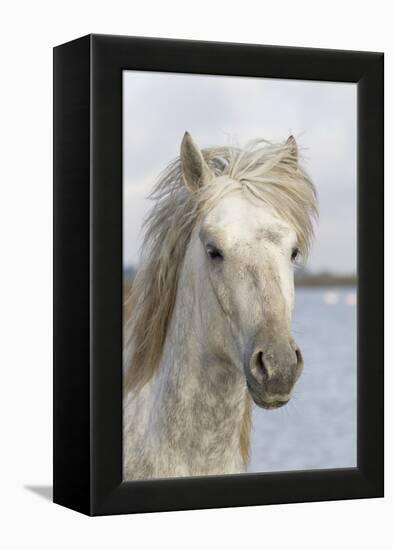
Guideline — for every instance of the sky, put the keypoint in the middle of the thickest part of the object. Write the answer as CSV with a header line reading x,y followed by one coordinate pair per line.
x,y
220,110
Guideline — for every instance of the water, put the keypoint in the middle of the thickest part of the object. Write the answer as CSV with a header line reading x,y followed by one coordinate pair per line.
x,y
317,429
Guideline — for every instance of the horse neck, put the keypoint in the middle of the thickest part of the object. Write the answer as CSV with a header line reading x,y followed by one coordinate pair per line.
x,y
199,398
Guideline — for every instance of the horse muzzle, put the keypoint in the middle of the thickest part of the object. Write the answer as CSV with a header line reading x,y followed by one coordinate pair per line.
x,y
271,374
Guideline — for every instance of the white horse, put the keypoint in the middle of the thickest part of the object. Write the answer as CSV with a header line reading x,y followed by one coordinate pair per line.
x,y
211,308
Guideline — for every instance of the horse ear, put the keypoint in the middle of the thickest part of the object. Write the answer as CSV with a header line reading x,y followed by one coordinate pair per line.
x,y
292,150
196,172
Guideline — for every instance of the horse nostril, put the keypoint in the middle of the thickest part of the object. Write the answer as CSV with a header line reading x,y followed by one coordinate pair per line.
x,y
262,366
258,367
299,358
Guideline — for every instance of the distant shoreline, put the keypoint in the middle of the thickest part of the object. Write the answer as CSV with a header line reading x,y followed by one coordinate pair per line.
x,y
301,279
325,280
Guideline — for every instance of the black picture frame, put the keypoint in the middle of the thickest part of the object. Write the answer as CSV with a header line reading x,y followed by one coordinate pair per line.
x,y
88,274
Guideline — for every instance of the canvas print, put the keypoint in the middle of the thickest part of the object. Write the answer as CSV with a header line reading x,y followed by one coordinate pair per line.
x,y
239,275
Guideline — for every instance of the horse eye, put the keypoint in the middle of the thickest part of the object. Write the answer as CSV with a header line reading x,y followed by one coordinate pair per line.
x,y
294,254
213,252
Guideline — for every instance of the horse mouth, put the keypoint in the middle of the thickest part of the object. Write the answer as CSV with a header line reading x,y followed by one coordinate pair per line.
x,y
264,402
272,405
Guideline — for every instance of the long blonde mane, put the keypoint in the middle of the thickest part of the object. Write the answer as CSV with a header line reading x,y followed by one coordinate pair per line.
x,y
267,171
